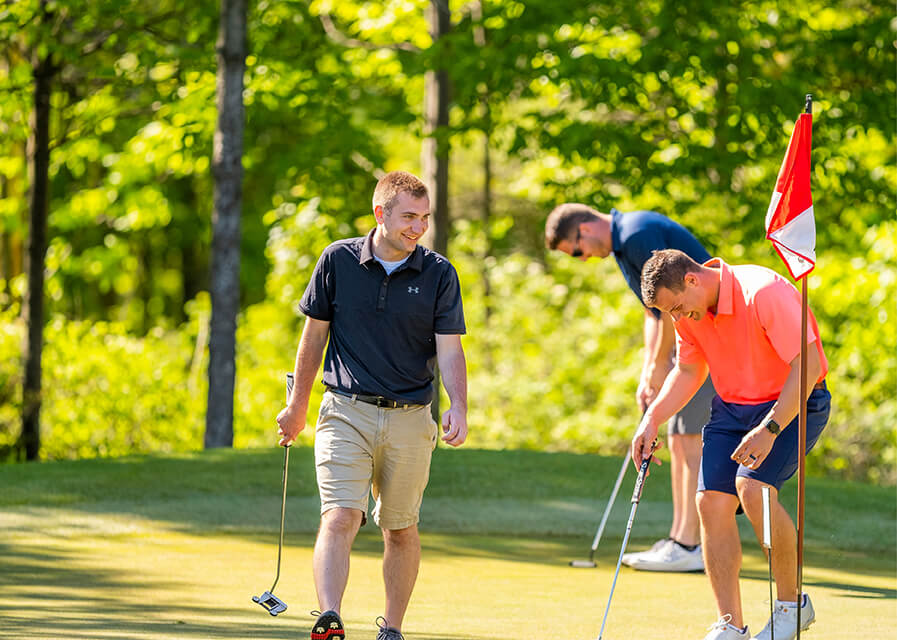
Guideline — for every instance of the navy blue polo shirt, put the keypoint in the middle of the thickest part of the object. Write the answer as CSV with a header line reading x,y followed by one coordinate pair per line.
x,y
635,235
382,327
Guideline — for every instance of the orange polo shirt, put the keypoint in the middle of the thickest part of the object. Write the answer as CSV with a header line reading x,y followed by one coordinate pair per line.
x,y
749,342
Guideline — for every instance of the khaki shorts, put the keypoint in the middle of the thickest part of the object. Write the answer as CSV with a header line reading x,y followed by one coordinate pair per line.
x,y
362,449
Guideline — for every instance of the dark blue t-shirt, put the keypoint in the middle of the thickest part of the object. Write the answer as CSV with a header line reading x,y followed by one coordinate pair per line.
x,y
382,327
635,235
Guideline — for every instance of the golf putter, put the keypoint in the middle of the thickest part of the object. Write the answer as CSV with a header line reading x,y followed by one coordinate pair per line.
x,y
271,603
636,496
590,563
767,544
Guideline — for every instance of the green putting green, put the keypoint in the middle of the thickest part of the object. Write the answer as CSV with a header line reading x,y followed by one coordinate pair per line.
x,y
176,547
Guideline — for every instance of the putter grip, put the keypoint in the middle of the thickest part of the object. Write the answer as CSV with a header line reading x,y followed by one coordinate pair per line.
x,y
642,472
640,480
289,391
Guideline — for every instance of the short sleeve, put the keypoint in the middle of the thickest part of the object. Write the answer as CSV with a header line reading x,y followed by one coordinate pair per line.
x,y
317,301
449,313
778,310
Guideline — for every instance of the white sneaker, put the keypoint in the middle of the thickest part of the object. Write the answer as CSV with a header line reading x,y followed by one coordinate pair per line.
x,y
722,630
671,557
784,617
657,546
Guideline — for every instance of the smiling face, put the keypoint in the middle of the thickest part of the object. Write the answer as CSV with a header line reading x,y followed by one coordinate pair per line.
x,y
689,302
400,228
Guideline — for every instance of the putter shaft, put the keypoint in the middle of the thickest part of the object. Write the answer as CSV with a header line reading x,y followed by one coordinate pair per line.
x,y
268,600
636,497
617,572
283,511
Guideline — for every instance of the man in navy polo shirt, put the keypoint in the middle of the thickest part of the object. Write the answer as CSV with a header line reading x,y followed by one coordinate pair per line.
x,y
582,232
391,310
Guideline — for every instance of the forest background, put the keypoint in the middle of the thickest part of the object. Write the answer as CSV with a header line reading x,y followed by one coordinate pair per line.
x,y
683,108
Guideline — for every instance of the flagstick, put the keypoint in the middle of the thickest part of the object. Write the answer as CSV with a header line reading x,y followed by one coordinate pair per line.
x,y
802,430
767,542
801,450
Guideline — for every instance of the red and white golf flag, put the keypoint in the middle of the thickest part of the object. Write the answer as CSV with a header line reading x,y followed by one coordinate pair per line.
x,y
790,224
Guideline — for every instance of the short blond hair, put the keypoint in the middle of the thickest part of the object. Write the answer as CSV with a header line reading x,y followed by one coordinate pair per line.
x,y
395,182
564,219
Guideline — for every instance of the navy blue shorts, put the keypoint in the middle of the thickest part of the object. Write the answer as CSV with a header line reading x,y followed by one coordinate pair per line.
x,y
730,422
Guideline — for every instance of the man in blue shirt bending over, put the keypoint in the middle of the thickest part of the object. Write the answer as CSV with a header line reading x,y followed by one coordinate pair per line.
x,y
582,232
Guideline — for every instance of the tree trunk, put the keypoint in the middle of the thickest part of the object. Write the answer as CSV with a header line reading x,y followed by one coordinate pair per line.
x,y
33,301
435,148
227,169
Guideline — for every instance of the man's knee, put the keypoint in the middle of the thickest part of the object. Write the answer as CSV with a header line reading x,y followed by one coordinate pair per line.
x,y
401,537
713,505
341,521
750,492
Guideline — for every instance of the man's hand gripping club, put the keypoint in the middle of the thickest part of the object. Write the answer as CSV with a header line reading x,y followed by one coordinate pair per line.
x,y
645,442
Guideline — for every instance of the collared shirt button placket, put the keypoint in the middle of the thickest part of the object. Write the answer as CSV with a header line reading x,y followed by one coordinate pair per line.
x,y
381,298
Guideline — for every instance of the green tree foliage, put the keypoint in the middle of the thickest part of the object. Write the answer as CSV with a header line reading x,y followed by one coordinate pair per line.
x,y
685,109
111,57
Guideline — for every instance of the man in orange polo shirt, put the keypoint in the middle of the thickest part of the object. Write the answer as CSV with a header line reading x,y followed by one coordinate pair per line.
x,y
742,324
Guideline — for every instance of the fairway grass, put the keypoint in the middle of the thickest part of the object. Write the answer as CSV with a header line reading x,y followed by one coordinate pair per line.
x,y
175,547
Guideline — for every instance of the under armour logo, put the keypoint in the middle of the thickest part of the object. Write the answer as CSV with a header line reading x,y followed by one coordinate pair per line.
x,y
413,289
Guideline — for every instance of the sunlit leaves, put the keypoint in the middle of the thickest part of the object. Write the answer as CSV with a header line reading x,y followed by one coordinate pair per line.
x,y
681,108
379,23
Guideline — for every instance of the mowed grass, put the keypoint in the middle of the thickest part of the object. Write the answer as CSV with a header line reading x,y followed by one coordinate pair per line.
x,y
175,546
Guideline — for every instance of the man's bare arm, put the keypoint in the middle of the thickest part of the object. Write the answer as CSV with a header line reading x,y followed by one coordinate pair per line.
x,y
453,369
291,419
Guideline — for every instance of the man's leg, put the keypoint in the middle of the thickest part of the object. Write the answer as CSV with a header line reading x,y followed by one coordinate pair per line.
x,y
331,556
780,464
722,551
685,461
401,560
783,531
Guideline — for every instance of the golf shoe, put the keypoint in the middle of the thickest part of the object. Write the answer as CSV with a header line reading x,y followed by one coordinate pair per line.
x,y
722,630
784,617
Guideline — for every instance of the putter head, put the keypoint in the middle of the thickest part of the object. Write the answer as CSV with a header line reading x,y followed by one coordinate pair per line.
x,y
583,564
271,603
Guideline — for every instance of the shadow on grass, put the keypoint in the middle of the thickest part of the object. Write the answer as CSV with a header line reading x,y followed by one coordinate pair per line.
x,y
79,626
854,566
43,582
849,590
58,595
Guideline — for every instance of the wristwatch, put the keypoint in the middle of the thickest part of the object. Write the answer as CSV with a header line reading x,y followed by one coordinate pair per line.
x,y
772,426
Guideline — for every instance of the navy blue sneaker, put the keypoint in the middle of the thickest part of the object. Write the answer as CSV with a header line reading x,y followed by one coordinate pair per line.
x,y
386,632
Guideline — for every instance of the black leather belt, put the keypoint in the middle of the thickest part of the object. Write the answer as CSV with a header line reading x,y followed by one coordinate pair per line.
x,y
377,401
